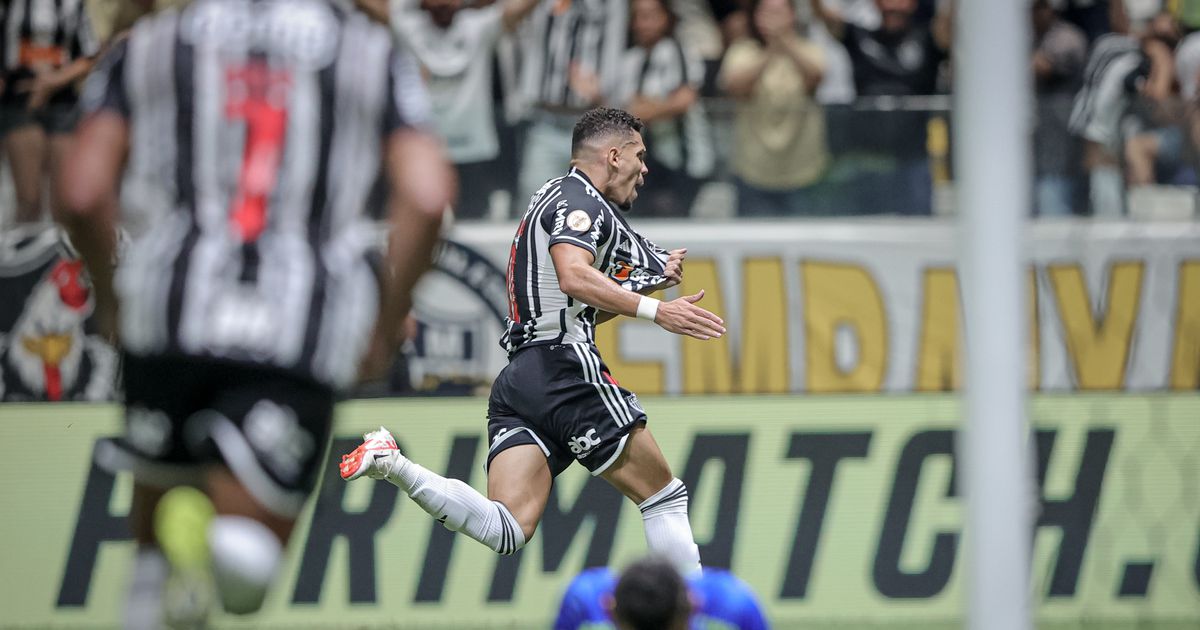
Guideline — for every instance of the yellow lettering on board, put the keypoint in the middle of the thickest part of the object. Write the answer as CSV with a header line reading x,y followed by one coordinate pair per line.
x,y
1185,358
647,377
835,296
939,354
708,366
1099,350
1035,336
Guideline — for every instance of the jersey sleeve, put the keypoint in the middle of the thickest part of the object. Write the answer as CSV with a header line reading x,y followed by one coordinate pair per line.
x,y
407,98
104,89
580,224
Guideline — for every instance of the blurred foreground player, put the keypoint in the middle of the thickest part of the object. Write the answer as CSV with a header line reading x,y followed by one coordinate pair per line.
x,y
248,133
575,262
651,595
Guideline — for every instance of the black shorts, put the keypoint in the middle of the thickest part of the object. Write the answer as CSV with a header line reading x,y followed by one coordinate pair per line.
x,y
269,427
54,118
562,398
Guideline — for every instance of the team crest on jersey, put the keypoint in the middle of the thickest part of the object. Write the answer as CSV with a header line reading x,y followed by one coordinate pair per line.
x,y
579,221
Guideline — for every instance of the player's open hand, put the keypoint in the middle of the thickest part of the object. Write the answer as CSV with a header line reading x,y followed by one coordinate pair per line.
x,y
682,317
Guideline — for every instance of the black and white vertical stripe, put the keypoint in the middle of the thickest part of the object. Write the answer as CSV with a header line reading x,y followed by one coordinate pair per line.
x,y
1108,83
671,499
509,532
588,33
540,311
189,285
609,393
63,24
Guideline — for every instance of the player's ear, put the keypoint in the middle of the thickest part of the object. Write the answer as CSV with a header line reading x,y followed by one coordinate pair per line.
x,y
614,157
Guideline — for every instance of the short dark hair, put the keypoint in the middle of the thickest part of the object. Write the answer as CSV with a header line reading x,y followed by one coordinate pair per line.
x,y
651,595
603,121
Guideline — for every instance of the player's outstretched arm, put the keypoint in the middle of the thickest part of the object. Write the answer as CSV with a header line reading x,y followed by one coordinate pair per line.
x,y
578,279
422,185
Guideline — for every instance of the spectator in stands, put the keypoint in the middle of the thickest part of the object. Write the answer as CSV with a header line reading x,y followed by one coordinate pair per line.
x,y
1122,67
779,150
1187,74
455,44
661,81
571,54
1059,52
1157,151
47,47
899,57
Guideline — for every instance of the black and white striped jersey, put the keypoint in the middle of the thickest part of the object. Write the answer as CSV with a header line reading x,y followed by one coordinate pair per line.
x,y
684,142
569,209
1110,84
559,34
45,32
256,133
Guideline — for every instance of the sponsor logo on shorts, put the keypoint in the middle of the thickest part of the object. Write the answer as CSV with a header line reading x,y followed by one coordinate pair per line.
x,y
633,403
581,445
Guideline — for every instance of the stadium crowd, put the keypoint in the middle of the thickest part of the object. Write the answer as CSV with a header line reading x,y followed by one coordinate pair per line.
x,y
755,107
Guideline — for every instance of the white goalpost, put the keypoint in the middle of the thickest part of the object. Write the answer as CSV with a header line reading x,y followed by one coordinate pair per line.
x,y
993,111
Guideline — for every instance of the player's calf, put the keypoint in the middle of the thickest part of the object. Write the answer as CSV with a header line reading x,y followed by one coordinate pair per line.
x,y
456,505
668,532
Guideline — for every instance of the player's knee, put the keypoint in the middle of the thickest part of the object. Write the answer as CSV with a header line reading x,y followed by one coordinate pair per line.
x,y
245,557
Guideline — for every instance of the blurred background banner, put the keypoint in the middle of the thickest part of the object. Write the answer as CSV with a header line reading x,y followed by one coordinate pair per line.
x,y
816,306
850,306
840,511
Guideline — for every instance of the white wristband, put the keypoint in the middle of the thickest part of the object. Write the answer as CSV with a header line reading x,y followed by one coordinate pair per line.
x,y
647,308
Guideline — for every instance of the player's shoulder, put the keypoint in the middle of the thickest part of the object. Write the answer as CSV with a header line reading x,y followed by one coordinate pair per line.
x,y
718,585
727,597
579,193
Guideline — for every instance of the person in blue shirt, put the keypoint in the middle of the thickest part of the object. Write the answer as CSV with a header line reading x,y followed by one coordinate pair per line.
x,y
651,595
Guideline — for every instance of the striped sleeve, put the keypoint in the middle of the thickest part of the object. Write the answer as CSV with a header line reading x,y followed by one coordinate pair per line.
x,y
580,223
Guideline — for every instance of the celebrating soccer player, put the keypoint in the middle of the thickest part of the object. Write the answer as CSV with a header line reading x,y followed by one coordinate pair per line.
x,y
575,262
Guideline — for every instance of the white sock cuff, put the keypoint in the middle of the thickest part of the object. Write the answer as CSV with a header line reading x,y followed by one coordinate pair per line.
x,y
672,499
245,556
511,536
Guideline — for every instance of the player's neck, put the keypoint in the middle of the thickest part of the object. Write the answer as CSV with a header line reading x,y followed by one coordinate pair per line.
x,y
597,174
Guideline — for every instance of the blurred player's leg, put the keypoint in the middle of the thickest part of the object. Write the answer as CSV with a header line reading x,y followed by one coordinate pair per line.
x,y
455,504
26,148
246,542
143,606
642,474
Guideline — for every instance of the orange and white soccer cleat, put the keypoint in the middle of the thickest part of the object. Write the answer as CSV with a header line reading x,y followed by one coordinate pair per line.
x,y
373,458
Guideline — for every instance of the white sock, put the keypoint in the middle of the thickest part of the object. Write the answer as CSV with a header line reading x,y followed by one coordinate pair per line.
x,y
458,507
245,556
668,533
143,605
